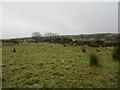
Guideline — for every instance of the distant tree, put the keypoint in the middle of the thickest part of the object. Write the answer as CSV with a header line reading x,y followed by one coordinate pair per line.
x,y
36,35
50,35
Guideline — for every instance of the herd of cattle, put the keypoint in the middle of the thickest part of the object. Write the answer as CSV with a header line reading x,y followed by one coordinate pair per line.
x,y
68,41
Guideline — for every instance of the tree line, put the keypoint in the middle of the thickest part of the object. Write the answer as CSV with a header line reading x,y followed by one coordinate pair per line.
x,y
37,35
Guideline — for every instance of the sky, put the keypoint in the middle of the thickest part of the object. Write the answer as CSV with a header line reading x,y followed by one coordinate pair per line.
x,y
21,19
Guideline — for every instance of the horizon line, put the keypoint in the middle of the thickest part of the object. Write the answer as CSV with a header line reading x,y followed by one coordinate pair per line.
x,y
58,35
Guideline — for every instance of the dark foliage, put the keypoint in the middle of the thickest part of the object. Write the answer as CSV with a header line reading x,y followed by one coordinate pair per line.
x,y
94,60
63,45
14,50
116,53
83,49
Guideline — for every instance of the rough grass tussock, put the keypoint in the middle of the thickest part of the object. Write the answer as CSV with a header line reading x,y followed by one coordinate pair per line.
x,y
83,49
94,60
14,50
116,53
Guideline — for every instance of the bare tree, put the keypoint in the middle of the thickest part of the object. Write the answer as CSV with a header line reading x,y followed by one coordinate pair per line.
x,y
50,35
36,35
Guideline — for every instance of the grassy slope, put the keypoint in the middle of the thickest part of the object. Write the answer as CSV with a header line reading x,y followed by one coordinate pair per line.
x,y
87,37
52,65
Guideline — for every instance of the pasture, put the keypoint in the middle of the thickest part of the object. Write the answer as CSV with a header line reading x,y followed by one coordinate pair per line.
x,y
48,65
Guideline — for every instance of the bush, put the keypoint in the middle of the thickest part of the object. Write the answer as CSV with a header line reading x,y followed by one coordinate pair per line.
x,y
14,50
116,53
98,50
94,60
84,49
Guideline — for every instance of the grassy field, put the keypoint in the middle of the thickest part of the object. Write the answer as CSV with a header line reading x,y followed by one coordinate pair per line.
x,y
45,65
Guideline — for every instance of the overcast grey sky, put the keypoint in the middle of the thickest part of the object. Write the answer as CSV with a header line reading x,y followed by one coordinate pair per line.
x,y
22,19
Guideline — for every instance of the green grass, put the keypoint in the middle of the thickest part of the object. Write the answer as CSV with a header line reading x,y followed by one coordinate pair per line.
x,y
45,65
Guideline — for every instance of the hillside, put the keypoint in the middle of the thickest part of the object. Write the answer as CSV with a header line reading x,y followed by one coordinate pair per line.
x,y
49,65
81,37
84,37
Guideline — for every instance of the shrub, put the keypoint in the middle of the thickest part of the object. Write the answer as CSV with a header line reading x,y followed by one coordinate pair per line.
x,y
116,53
63,45
84,49
98,50
14,50
94,60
